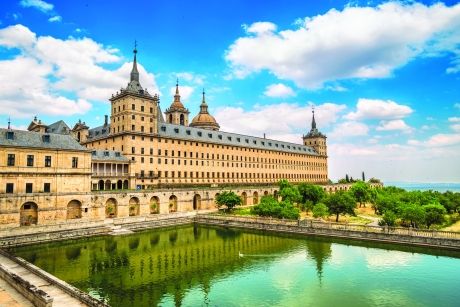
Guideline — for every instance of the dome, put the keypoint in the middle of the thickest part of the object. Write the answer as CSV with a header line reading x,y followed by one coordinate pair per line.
x,y
204,119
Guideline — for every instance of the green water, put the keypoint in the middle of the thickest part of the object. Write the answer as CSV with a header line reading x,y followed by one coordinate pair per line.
x,y
198,266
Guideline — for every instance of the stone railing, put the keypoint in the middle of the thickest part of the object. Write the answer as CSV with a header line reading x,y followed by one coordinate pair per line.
x,y
422,237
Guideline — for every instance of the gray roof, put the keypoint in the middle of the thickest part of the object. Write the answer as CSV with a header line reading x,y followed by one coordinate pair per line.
x,y
99,132
233,139
59,127
31,139
108,155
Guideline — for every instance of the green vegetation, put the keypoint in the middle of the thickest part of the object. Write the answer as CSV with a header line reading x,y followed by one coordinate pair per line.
x,y
228,199
394,206
269,206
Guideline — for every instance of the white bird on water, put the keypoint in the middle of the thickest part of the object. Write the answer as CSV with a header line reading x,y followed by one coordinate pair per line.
x,y
240,254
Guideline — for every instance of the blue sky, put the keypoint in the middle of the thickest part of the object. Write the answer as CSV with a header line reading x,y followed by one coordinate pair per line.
x,y
384,76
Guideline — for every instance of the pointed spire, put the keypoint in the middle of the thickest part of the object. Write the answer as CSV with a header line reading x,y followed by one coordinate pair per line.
x,y
313,122
134,71
9,123
177,95
204,105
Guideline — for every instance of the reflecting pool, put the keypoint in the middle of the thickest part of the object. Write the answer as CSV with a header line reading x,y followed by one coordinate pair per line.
x,y
199,265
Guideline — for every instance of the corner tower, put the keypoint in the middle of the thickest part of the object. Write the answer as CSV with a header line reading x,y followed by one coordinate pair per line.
x,y
133,108
177,113
315,138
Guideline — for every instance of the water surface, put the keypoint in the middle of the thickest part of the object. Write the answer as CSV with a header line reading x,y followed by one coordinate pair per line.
x,y
199,265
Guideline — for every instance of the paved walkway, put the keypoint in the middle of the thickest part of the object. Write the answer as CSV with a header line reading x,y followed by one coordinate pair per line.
x,y
10,297
60,297
375,220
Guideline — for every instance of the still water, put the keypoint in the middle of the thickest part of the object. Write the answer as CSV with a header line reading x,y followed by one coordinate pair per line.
x,y
200,265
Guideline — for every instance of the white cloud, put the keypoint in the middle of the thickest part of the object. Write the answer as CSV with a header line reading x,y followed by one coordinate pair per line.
x,y
282,121
278,90
454,119
38,4
443,140
378,109
349,129
48,71
394,125
189,77
56,18
357,42
260,27
455,127
184,91
17,36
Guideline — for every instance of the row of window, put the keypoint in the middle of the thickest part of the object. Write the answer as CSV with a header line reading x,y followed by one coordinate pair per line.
x,y
29,187
30,161
133,107
234,175
228,147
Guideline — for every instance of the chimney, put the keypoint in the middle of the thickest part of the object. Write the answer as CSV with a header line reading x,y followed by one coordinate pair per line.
x,y
106,120
264,135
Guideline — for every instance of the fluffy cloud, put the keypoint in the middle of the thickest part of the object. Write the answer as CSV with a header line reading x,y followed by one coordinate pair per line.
x,y
348,129
56,18
184,91
282,121
454,119
394,125
378,109
278,90
439,140
37,4
352,43
48,71
455,127
189,77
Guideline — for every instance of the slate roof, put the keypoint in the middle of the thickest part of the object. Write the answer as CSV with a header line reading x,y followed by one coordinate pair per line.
x,y
233,139
21,138
108,155
99,132
59,127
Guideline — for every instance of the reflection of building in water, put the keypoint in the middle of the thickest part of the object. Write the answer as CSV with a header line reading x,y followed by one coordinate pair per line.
x,y
164,262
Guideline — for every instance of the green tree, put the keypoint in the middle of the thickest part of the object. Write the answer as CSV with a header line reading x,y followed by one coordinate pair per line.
x,y
311,192
283,183
320,210
413,214
388,219
363,177
340,202
228,199
385,202
434,214
291,194
361,192
347,179
269,206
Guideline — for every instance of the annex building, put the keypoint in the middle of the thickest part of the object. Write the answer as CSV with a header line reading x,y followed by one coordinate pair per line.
x,y
141,162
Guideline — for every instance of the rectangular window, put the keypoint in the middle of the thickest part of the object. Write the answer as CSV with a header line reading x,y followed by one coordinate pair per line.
x,y
29,187
9,187
133,127
133,107
30,160
47,161
11,160
47,187
74,162
133,150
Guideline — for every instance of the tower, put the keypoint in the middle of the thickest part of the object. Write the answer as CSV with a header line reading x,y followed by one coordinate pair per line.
x,y
204,119
315,138
133,108
177,113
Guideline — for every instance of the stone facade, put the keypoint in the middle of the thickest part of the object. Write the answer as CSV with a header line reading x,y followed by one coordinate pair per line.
x,y
138,164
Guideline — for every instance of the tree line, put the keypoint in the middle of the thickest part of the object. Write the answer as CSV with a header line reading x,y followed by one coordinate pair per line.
x,y
395,206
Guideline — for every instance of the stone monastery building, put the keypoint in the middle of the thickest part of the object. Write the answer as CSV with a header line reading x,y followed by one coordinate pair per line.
x,y
140,162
